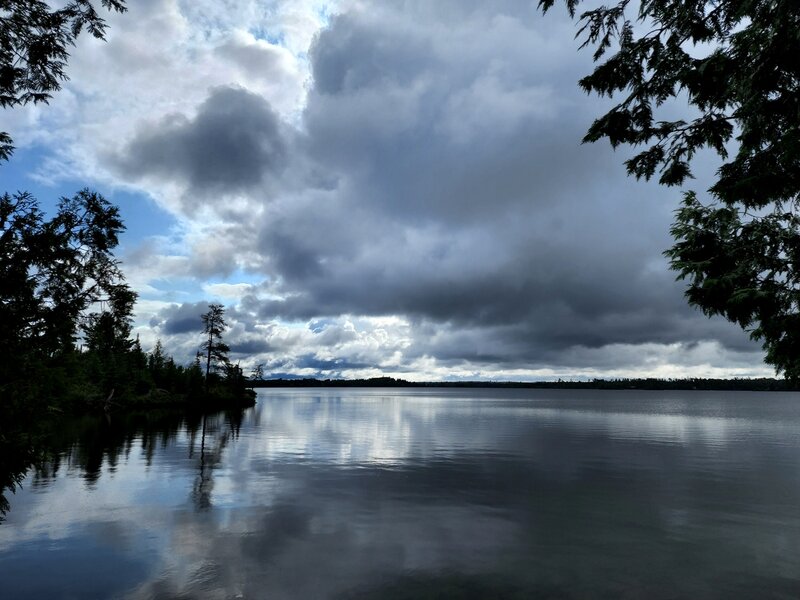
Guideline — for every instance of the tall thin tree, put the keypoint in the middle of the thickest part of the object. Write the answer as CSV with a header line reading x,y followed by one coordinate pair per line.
x,y
215,349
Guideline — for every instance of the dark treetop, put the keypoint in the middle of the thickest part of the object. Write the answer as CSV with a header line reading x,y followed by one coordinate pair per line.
x,y
34,43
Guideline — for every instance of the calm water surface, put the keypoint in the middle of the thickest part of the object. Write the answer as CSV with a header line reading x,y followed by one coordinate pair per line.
x,y
422,493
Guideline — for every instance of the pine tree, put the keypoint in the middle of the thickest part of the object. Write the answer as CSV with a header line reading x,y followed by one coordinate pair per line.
x,y
214,349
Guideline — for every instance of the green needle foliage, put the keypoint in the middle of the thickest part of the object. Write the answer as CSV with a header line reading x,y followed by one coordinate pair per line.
x,y
737,64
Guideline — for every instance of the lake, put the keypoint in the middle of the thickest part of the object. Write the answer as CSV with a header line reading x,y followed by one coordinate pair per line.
x,y
420,493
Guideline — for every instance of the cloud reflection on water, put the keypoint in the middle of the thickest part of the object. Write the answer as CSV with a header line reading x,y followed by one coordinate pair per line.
x,y
376,493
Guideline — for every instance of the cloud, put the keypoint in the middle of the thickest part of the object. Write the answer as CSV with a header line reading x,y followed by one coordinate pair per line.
x,y
417,164
177,319
257,59
161,58
233,144
228,290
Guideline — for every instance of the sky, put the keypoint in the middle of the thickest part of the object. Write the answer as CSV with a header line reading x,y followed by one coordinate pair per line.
x,y
373,188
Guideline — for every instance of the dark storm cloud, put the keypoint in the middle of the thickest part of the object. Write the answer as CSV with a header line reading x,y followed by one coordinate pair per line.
x,y
541,302
250,347
335,72
438,175
178,319
234,143
434,134
472,202
338,365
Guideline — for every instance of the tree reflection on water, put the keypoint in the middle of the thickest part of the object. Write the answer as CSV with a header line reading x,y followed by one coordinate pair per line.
x,y
214,438
90,443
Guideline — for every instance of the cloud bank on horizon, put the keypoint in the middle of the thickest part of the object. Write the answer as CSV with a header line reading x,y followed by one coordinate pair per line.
x,y
375,188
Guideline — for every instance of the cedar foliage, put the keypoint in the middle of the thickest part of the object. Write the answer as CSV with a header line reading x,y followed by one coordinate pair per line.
x,y
35,39
736,63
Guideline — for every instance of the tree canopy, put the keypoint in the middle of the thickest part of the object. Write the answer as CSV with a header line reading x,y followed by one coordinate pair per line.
x,y
735,62
53,270
34,47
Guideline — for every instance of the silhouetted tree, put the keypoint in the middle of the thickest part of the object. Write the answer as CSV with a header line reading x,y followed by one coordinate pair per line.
x,y
214,349
51,272
736,63
195,382
34,47
107,336
109,330
258,372
155,364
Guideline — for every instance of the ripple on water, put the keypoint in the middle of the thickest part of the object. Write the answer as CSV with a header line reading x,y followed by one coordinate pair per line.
x,y
402,493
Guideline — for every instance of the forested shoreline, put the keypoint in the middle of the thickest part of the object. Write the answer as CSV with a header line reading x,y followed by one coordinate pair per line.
x,y
66,320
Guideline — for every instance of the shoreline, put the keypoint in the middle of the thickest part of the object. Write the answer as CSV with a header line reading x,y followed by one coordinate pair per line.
x,y
699,384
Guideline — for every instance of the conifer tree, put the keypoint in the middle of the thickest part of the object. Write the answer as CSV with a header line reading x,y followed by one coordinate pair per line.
x,y
214,349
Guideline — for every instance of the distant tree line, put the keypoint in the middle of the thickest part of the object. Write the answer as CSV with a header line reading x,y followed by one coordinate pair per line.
x,y
764,384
